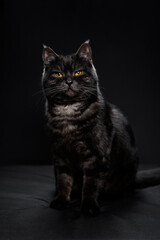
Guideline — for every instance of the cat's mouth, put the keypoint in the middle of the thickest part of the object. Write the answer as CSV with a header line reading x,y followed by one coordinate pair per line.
x,y
70,92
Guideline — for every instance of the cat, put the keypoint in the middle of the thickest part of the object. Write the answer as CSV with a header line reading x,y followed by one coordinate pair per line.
x,y
93,144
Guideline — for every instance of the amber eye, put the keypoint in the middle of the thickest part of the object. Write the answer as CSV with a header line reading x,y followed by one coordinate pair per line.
x,y
59,75
78,73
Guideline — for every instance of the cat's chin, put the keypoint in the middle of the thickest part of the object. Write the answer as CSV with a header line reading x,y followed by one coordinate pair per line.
x,y
70,92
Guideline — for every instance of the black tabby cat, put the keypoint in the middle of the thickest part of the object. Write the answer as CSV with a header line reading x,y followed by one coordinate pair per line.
x,y
93,143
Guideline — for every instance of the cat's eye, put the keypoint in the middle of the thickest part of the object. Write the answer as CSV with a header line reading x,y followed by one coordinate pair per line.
x,y
58,74
78,73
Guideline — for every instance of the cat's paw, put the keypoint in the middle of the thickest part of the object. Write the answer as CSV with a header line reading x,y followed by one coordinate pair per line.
x,y
59,203
90,207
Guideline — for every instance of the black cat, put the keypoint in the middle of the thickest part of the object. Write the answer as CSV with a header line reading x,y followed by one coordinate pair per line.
x,y
93,143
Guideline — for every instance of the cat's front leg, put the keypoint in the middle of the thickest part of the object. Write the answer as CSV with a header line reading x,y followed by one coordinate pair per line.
x,y
64,181
93,182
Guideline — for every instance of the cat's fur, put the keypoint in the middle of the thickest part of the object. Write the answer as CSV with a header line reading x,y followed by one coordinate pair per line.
x,y
92,141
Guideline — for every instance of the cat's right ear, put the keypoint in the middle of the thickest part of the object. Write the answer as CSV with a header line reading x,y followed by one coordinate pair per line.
x,y
48,55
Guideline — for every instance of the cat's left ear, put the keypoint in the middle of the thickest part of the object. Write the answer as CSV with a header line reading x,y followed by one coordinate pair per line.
x,y
85,51
48,55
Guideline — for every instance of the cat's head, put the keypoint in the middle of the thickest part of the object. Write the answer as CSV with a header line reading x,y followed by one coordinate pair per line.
x,y
69,78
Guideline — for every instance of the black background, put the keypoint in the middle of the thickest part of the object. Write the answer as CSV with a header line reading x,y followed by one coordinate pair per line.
x,y
125,40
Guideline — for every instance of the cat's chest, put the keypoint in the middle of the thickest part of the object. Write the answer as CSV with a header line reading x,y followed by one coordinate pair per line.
x,y
71,110
65,120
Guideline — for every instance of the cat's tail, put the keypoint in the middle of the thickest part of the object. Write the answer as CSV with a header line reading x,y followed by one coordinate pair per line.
x,y
147,178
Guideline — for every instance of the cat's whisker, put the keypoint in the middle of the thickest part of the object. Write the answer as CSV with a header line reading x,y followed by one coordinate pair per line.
x,y
42,91
38,92
90,92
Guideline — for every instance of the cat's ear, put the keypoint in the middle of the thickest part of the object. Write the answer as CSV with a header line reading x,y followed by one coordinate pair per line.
x,y
85,51
48,55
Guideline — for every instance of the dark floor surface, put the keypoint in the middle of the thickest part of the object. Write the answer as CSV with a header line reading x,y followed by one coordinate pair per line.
x,y
25,194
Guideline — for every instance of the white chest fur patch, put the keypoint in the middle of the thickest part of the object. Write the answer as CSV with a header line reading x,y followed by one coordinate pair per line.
x,y
72,109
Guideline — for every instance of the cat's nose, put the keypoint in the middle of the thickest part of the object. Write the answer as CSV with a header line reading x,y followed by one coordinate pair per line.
x,y
69,81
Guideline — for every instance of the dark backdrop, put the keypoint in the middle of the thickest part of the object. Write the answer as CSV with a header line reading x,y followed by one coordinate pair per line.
x,y
125,42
